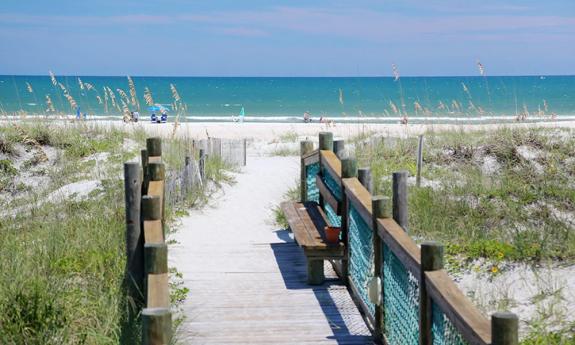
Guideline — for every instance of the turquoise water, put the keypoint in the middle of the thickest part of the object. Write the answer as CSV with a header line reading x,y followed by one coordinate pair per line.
x,y
286,99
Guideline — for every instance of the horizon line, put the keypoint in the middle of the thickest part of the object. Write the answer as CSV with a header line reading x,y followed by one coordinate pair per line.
x,y
287,76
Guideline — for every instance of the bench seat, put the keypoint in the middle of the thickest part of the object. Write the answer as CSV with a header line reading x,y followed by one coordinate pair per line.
x,y
307,221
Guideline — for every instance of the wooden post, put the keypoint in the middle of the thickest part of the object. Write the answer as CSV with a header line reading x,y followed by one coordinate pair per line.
x,y
151,208
187,177
157,172
381,208
504,329
156,258
134,234
305,147
156,326
419,161
364,177
245,152
326,144
154,147
145,180
400,198
202,164
326,141
315,272
431,260
348,169
339,148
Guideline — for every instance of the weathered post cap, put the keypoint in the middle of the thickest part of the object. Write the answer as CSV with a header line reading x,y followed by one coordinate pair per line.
x,y
154,146
132,169
305,147
151,207
156,258
504,329
326,141
156,326
431,256
339,148
156,171
348,167
381,206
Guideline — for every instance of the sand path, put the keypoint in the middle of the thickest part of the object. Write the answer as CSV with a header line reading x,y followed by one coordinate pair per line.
x,y
247,278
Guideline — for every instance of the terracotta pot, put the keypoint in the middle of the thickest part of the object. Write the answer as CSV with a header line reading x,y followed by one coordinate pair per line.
x,y
332,234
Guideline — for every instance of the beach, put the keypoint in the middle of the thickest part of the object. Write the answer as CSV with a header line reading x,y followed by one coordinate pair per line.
x,y
270,131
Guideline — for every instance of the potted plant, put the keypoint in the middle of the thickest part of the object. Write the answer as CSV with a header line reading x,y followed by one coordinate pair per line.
x,y
332,234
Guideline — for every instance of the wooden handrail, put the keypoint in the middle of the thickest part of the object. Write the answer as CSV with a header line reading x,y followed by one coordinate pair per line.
x,y
311,157
332,164
438,287
156,315
472,325
359,197
400,243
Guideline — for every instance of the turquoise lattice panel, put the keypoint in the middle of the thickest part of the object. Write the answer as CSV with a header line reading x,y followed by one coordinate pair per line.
x,y
400,301
360,256
442,330
332,185
312,190
333,218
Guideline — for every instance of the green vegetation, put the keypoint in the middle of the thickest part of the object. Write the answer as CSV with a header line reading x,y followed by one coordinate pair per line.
x,y
492,198
288,137
284,152
291,194
501,194
62,266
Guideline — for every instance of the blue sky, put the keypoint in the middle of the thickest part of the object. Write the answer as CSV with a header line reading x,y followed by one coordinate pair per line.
x,y
287,38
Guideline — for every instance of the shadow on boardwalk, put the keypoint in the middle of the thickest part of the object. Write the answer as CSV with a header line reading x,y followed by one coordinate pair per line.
x,y
344,319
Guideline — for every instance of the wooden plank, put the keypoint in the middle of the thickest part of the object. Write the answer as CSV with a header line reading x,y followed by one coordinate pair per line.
x,y
473,326
156,188
307,222
328,197
332,164
296,224
155,159
311,158
399,242
153,231
359,198
248,286
315,221
158,291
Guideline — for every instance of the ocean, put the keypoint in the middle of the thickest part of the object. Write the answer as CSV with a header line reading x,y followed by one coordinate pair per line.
x,y
285,99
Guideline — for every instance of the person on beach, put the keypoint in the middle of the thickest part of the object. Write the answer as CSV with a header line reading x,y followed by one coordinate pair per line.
x,y
306,117
135,116
164,117
154,118
78,113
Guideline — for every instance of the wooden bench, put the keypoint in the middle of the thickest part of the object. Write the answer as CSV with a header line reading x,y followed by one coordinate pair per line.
x,y
307,221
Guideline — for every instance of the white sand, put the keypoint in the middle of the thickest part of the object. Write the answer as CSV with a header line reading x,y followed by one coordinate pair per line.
x,y
272,131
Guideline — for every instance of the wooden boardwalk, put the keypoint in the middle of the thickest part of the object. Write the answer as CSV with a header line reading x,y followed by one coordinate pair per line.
x,y
247,279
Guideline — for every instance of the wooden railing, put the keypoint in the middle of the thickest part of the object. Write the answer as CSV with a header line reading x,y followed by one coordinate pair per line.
x,y
387,219
147,252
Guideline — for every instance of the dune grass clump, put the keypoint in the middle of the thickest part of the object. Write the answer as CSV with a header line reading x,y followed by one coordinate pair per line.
x,y
63,259
506,193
